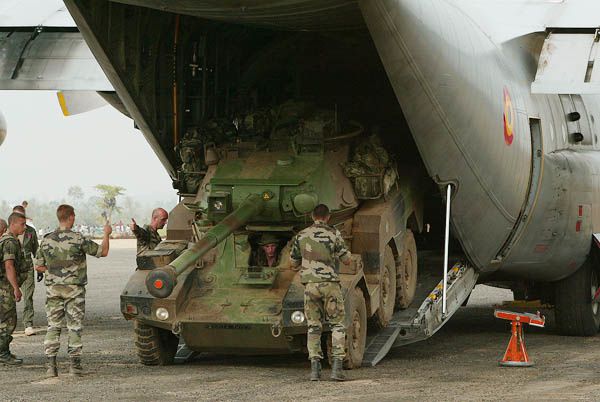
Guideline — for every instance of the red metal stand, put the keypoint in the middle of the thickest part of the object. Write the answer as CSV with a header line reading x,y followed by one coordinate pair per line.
x,y
516,354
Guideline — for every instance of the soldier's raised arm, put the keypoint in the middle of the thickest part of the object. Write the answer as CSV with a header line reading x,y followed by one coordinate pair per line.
x,y
94,249
106,240
340,249
133,225
295,253
141,234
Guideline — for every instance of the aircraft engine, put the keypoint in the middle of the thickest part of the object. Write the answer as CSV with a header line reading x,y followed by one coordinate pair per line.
x,y
2,128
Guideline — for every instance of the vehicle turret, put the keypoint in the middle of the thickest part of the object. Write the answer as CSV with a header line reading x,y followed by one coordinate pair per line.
x,y
161,281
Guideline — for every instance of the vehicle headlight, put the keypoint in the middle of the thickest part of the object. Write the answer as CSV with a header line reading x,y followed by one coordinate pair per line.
x,y
162,313
297,317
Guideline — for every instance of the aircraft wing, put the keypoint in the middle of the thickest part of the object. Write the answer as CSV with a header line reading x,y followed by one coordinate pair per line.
x,y
33,13
504,20
48,60
42,49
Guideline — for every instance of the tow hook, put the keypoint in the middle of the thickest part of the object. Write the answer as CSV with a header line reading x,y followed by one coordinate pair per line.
x,y
276,330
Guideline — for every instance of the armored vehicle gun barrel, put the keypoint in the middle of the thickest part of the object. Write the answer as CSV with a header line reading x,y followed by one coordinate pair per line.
x,y
161,281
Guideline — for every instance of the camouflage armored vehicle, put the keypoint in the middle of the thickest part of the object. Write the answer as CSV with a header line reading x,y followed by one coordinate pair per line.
x,y
210,284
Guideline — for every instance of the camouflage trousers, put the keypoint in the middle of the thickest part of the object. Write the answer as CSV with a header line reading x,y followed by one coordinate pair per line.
x,y
64,302
27,288
323,302
8,316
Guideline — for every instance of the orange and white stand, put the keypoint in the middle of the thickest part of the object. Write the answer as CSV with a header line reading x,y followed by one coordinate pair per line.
x,y
516,354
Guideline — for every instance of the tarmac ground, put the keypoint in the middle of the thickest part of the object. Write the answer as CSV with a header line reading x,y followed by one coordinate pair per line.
x,y
458,363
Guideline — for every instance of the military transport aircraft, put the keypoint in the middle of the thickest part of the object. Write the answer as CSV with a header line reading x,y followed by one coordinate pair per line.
x,y
490,101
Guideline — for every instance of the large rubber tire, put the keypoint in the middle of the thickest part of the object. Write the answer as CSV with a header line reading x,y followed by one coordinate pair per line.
x,y
356,331
573,308
155,346
406,275
387,295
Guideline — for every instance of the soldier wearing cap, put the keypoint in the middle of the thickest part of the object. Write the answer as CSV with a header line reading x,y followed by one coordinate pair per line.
x,y
29,243
315,249
268,253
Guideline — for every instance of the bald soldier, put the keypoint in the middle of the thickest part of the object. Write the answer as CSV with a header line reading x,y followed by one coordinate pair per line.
x,y
11,268
29,243
62,256
316,249
148,237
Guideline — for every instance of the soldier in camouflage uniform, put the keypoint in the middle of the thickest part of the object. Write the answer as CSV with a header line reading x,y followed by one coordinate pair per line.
x,y
148,237
315,249
11,266
267,255
29,243
61,255
3,226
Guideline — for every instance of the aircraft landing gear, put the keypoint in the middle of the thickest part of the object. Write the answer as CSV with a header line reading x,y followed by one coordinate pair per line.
x,y
577,305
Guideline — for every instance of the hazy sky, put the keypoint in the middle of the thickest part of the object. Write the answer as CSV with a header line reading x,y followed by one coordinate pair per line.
x,y
45,153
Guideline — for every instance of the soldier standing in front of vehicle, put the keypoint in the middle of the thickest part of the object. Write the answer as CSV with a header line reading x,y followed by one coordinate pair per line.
x,y
11,266
29,243
148,237
315,249
61,255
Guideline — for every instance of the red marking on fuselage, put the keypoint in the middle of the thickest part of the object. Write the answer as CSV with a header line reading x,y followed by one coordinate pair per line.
x,y
509,118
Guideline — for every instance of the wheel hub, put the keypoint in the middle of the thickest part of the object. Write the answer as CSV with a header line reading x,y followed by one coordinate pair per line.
x,y
355,329
407,266
594,289
385,291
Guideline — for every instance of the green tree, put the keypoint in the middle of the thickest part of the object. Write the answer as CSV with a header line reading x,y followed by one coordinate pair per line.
x,y
5,209
75,192
108,200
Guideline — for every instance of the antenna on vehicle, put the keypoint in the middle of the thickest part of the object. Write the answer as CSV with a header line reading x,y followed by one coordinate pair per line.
x,y
335,119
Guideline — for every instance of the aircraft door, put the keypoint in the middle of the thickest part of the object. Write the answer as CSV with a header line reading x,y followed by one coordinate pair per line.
x,y
537,155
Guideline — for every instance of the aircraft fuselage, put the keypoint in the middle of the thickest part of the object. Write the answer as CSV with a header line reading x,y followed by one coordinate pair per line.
x,y
525,194
525,191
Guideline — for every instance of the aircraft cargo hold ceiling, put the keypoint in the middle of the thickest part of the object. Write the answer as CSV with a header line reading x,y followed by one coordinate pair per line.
x,y
179,74
298,15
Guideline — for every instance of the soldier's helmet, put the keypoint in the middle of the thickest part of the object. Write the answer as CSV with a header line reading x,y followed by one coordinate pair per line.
x,y
268,238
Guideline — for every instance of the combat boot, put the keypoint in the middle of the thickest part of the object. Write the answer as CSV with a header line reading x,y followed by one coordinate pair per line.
x,y
315,369
75,369
10,360
337,370
52,369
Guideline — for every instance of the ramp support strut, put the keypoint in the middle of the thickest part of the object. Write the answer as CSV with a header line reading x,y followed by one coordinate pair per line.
x,y
446,241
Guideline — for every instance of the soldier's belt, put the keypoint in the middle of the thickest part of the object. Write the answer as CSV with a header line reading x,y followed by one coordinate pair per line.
x,y
61,264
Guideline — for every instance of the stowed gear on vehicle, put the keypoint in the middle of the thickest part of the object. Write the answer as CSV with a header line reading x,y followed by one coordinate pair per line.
x,y
255,184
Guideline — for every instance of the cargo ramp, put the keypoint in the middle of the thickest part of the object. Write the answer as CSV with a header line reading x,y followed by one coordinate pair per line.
x,y
425,316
